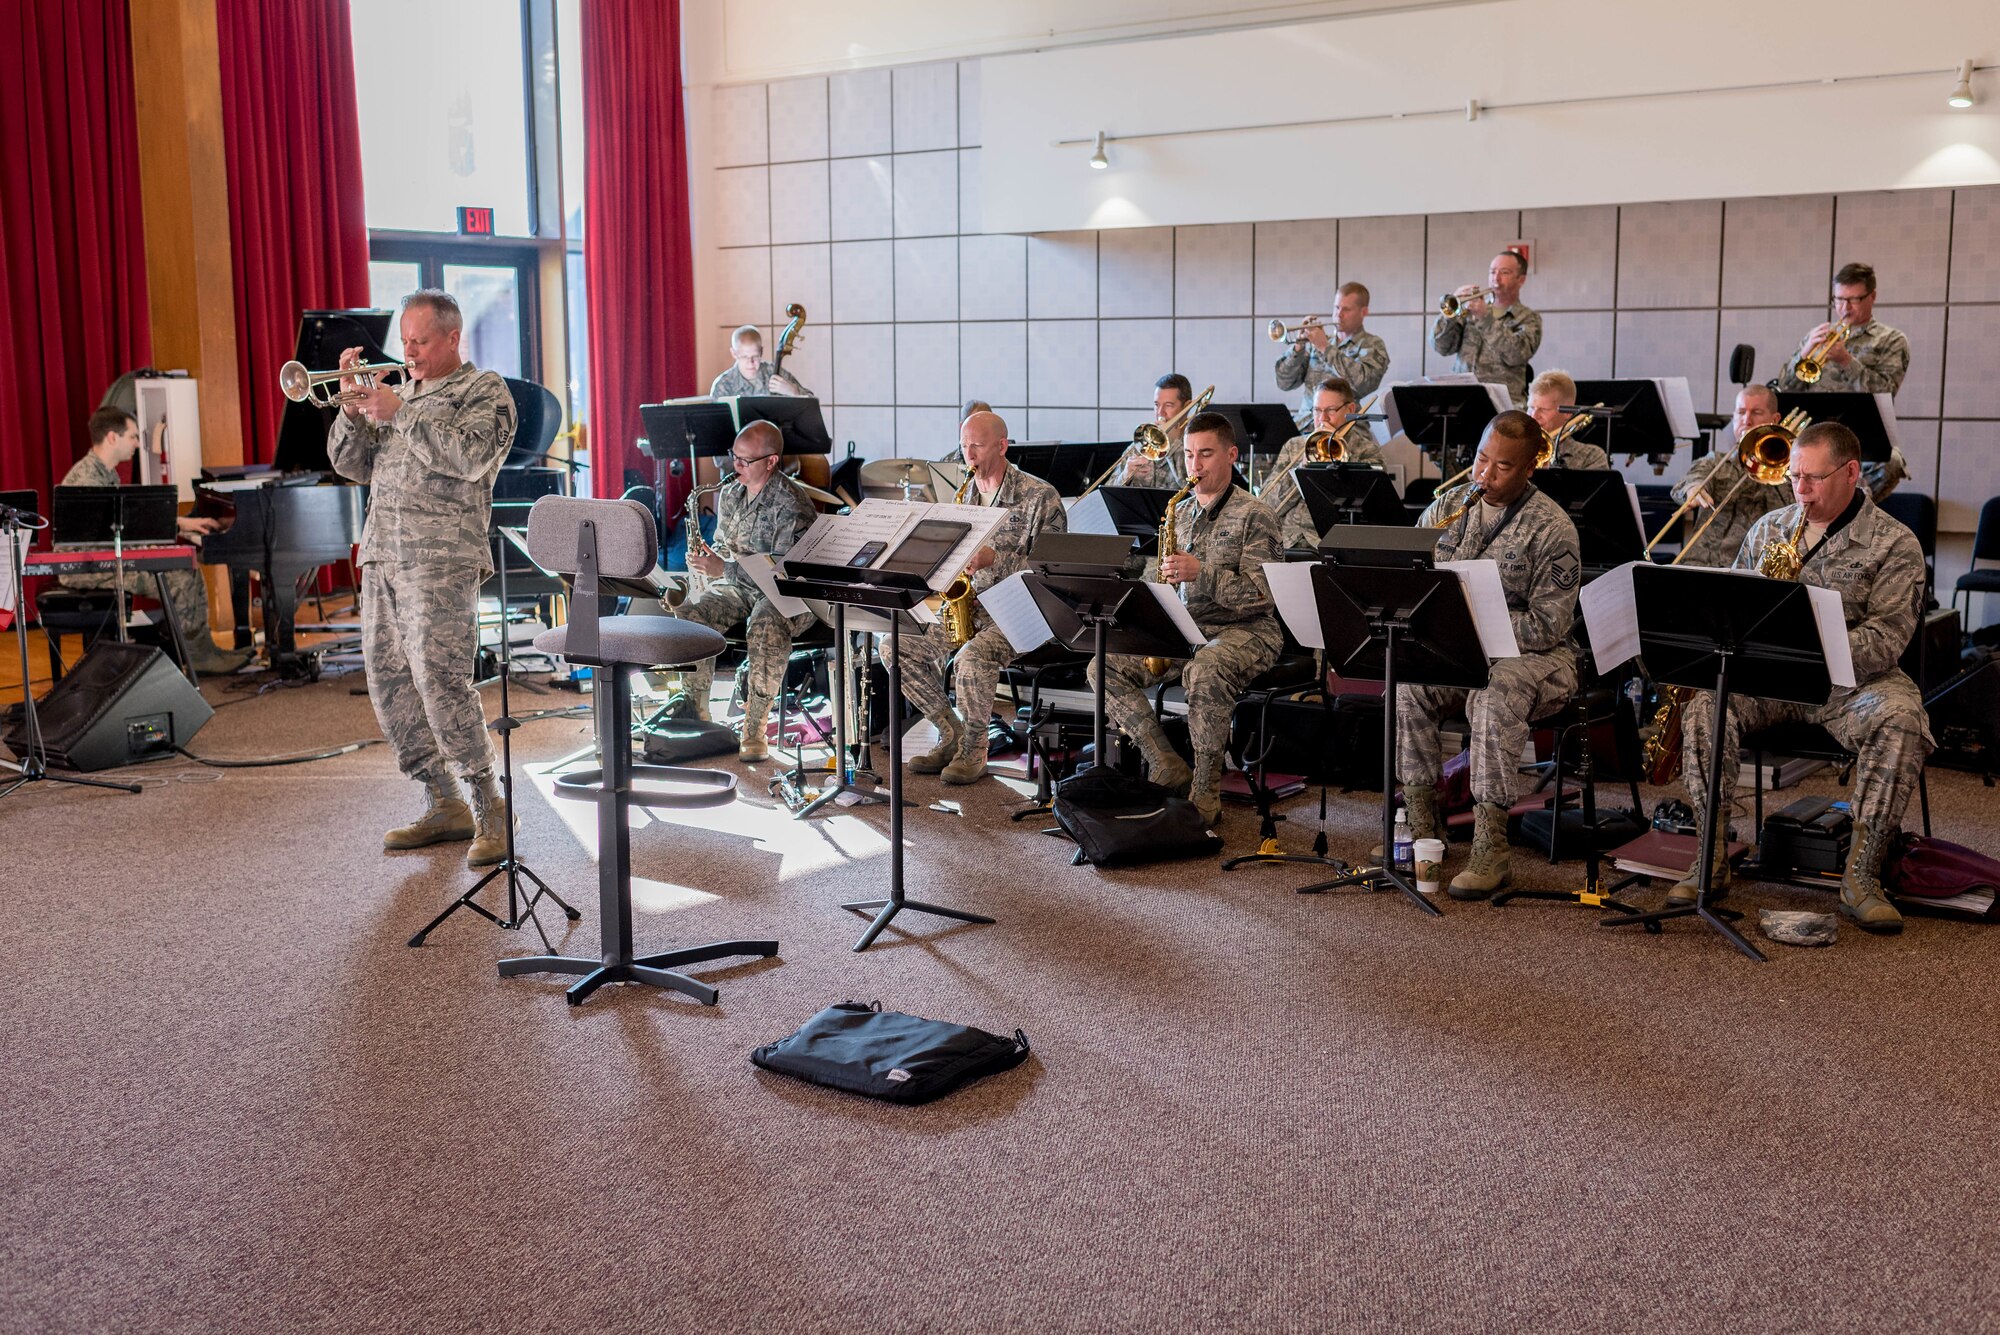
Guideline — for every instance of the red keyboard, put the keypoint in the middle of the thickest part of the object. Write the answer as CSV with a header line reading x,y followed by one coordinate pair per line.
x,y
102,561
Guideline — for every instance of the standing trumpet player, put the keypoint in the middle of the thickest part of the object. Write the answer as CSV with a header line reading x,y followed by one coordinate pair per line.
x,y
1854,352
1833,537
1349,353
1493,339
429,449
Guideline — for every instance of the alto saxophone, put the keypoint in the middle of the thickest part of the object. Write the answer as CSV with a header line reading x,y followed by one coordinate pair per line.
x,y
1153,663
955,603
1780,558
696,544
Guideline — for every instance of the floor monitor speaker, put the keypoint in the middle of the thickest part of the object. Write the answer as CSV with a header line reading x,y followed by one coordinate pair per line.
x,y
122,703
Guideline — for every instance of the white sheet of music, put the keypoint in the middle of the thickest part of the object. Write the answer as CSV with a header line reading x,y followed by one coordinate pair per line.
x,y
1091,515
838,539
763,572
1170,598
1016,613
1638,516
1611,616
8,584
1298,606
1886,405
1679,404
1487,598
1832,617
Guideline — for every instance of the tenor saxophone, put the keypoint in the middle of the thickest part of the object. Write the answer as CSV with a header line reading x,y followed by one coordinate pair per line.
x,y
1168,539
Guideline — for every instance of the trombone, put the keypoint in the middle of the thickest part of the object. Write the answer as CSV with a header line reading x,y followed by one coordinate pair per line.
x,y
1329,446
318,387
1812,362
1280,334
1764,454
1153,439
1450,304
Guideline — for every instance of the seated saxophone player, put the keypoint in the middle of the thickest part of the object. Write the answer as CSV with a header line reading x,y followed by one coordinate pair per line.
x,y
760,510
1868,357
752,374
1222,538
1493,341
1715,477
1033,508
1333,405
1546,397
1500,516
1834,537
1355,356
1171,394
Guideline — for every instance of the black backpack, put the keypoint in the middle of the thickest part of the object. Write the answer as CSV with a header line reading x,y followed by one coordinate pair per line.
x,y
1120,821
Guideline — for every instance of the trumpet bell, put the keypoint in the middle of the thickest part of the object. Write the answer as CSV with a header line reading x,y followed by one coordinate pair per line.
x,y
321,387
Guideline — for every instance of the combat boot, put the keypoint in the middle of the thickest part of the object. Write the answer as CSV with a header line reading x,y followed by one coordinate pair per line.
x,y
489,811
1421,802
753,741
1488,869
1688,889
951,731
446,820
1164,765
969,765
1862,897
205,658
1205,792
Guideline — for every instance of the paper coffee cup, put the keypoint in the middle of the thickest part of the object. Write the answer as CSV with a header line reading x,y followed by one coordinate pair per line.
x,y
1429,854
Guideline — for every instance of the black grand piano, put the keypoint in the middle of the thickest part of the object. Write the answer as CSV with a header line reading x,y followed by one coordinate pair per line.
x,y
287,519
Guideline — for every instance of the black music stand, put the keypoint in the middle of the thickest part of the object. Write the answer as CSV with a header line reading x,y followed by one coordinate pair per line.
x,y
1596,501
797,418
892,595
1136,512
1634,407
1386,616
511,866
1068,466
1857,411
1349,494
696,428
1444,420
322,337
119,515
1724,630
1261,429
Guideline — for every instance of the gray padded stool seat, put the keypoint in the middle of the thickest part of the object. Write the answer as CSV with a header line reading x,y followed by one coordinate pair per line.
x,y
588,538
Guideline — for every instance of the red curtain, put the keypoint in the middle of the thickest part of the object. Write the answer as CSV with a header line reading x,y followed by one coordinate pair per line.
x,y
73,312
638,258
299,234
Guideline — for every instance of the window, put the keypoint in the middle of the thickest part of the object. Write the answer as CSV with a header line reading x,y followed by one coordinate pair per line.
x,y
495,287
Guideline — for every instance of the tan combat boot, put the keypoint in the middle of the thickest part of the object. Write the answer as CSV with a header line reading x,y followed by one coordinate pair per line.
x,y
1688,888
1422,804
1862,897
489,810
446,820
951,731
1164,765
1488,869
753,743
969,765
1205,791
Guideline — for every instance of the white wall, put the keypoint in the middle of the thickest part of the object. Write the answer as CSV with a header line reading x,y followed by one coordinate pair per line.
x,y
1866,135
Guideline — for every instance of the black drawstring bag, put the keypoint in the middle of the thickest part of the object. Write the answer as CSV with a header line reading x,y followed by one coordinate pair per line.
x,y
1120,821
864,1049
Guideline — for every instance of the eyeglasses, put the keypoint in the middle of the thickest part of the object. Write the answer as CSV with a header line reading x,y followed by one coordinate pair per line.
x,y
1341,411
742,462
1817,478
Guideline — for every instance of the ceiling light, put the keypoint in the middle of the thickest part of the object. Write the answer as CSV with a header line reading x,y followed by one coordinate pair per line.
x,y
1961,95
1099,161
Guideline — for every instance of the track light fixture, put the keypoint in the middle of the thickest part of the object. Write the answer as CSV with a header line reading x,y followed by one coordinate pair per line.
x,y
1961,93
1098,159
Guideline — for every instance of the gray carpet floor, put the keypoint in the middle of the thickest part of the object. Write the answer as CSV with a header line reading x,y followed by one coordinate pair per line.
x,y
234,1100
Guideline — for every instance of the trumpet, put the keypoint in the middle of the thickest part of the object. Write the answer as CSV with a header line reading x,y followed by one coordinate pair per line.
x,y
1153,439
1450,304
1764,454
1279,333
1812,362
318,387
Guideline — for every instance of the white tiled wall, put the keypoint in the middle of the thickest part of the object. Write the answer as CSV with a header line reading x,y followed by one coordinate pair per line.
x,y
857,194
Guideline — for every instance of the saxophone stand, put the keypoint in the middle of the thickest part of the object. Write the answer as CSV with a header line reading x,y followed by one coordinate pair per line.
x,y
33,763
1724,630
511,866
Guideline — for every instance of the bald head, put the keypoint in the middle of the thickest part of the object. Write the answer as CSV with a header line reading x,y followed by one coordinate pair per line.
x,y
982,440
759,438
985,425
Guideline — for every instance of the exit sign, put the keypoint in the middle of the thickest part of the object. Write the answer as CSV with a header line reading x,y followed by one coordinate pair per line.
x,y
475,222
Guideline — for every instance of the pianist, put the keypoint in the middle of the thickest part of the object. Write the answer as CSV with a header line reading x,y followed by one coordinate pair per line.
x,y
114,439
429,448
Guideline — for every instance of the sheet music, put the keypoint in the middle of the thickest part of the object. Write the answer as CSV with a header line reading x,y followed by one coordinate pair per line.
x,y
1170,598
763,572
837,539
1016,613
1638,516
1392,420
1487,598
1091,515
1832,619
1611,617
1886,405
1298,606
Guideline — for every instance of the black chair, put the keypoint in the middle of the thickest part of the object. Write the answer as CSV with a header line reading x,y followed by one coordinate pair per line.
x,y
85,612
1985,547
1809,741
589,538
1918,513
537,417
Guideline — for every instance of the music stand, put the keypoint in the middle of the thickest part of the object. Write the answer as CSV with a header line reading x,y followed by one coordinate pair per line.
x,y
1349,494
797,418
891,595
119,515
1400,624
1633,406
1596,501
322,337
1443,419
789,785
1723,631
1136,512
1261,428
1065,465
1872,417
698,428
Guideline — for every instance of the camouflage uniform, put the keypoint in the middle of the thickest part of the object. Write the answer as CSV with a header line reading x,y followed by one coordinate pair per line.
x,y
185,588
1281,493
1033,508
1230,600
424,551
1881,356
1136,470
734,384
1496,348
1884,477
1540,570
1361,361
1581,455
769,522
1878,569
1718,546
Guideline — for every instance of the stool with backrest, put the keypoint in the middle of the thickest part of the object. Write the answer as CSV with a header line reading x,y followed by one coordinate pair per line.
x,y
588,539
1985,547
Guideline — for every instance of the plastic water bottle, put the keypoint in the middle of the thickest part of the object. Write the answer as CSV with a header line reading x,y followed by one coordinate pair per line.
x,y
1402,854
